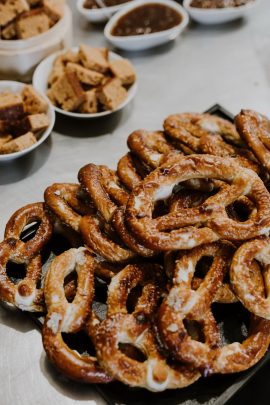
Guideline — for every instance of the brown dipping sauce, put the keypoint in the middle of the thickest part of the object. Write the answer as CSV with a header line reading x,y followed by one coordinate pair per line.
x,y
146,20
92,4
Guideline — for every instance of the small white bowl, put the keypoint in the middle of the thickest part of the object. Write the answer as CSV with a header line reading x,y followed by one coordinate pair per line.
x,y
19,57
218,15
141,42
40,82
98,15
16,87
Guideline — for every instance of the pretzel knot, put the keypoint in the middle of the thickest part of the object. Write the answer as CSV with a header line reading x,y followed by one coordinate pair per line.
x,y
254,128
70,317
250,276
207,222
131,170
64,201
125,342
183,306
102,232
17,223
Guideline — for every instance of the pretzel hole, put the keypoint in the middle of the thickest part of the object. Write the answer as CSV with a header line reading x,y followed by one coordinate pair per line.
x,y
30,230
132,352
257,275
70,285
203,266
80,342
239,211
16,272
194,329
233,322
133,298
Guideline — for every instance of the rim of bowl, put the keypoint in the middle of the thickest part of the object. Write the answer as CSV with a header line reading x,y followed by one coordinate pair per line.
x,y
13,43
46,133
109,9
137,3
131,91
187,6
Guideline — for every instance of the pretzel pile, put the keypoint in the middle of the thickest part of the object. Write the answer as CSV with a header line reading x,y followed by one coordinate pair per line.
x,y
151,251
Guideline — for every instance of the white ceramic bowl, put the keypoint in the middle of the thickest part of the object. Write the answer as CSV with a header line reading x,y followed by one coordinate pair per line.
x,y
16,87
20,57
218,15
100,14
40,82
140,42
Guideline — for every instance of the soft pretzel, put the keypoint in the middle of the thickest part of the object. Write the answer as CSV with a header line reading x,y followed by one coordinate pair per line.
x,y
25,295
183,304
254,128
250,283
121,328
209,221
208,134
70,317
62,198
19,220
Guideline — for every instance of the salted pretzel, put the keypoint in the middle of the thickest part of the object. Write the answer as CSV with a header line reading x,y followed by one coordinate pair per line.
x,y
27,215
105,189
150,147
183,306
254,128
63,200
131,170
207,222
208,134
249,276
70,317
121,332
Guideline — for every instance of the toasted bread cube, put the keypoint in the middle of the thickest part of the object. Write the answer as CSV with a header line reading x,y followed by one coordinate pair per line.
x,y
36,122
10,9
68,92
32,23
11,106
51,97
112,94
55,74
90,106
54,9
18,144
4,139
84,75
123,70
93,58
9,31
33,102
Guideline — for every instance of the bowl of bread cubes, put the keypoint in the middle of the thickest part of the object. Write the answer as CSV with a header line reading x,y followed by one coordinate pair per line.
x,y
86,82
30,30
26,119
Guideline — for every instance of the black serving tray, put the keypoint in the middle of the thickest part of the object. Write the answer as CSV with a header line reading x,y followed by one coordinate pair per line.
x,y
214,390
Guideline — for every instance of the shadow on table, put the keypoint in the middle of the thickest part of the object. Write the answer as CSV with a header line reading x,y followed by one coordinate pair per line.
x,y
92,127
71,389
18,169
15,319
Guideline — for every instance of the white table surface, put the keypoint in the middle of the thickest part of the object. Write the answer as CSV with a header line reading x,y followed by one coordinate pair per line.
x,y
228,64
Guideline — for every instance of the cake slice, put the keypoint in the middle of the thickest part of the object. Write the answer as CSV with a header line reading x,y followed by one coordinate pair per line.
x,y
90,106
33,102
84,75
32,23
123,70
68,92
112,94
94,58
18,144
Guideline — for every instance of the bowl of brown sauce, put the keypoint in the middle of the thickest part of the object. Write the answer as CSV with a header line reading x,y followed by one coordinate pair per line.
x,y
146,24
95,12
